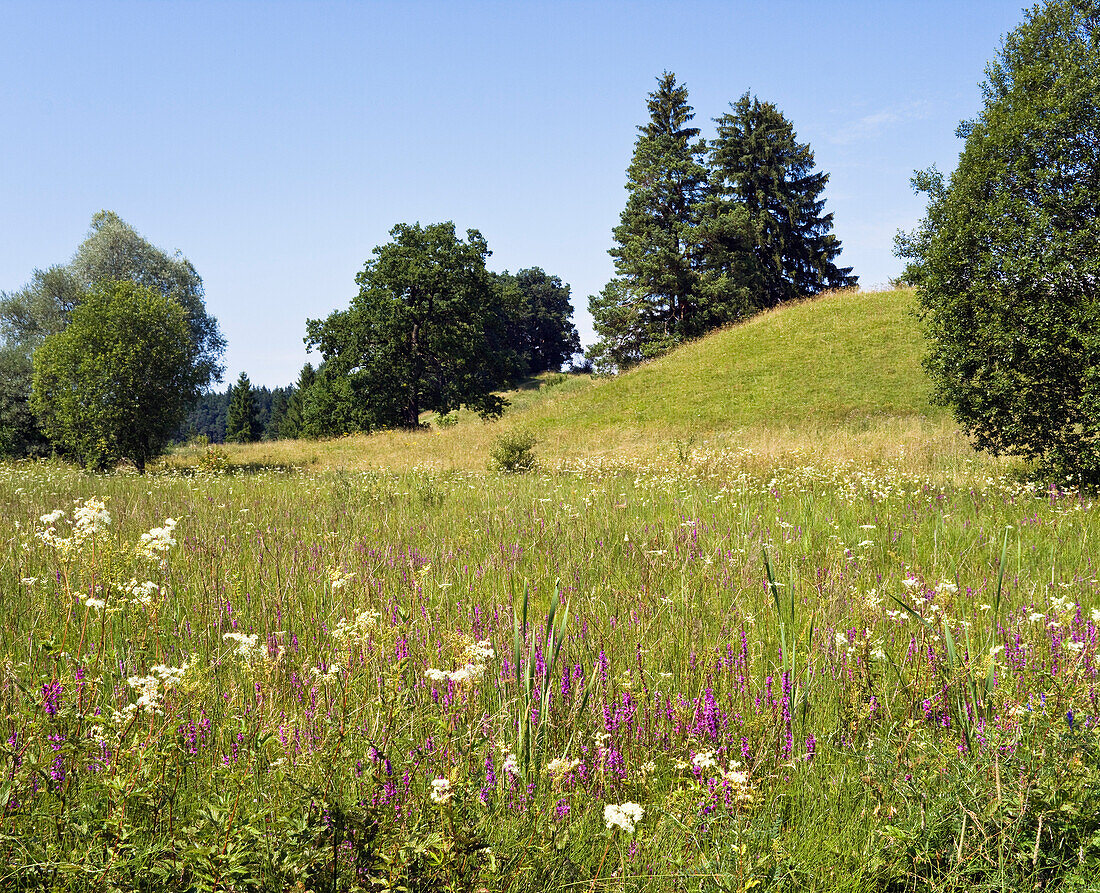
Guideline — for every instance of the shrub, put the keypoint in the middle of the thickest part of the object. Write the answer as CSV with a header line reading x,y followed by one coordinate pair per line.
x,y
513,452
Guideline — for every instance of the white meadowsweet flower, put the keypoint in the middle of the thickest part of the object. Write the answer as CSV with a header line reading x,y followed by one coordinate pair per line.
x,y
511,765
947,588
158,540
441,791
704,760
841,640
622,815
1094,615
52,518
247,646
560,766
91,519
1075,647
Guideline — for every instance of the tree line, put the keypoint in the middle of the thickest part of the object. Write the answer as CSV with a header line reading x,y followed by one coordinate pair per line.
x,y
102,358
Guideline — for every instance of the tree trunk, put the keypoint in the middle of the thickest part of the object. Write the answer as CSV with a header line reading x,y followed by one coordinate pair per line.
x,y
412,405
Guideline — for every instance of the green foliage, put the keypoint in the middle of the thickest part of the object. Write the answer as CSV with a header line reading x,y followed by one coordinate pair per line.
x,y
656,256
1006,260
767,199
538,329
117,381
113,251
419,336
514,452
19,431
707,239
292,422
242,424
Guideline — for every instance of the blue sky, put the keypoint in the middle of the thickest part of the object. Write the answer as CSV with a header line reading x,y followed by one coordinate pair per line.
x,y
275,144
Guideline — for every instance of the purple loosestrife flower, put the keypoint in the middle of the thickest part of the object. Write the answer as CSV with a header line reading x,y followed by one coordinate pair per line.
x,y
51,696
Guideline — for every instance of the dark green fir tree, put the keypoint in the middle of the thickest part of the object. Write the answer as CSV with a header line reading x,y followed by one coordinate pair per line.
x,y
656,258
767,194
242,424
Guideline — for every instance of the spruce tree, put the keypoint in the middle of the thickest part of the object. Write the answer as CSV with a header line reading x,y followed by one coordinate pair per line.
x,y
765,178
242,424
657,253
292,422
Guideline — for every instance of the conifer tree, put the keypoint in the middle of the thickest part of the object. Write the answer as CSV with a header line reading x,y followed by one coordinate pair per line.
x,y
292,422
242,424
765,178
657,252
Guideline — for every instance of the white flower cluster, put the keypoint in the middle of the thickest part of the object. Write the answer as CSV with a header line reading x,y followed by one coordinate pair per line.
x,y
91,520
338,579
476,654
441,791
511,765
704,760
91,602
158,540
152,688
356,629
622,815
247,646
141,593
329,675
559,766
1062,604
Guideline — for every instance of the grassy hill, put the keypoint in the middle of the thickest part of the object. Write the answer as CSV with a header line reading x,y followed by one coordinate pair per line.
x,y
839,374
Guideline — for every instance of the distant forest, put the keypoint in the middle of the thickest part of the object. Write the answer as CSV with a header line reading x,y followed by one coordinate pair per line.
x,y
208,416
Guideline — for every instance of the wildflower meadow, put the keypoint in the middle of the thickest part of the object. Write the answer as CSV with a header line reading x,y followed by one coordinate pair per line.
x,y
682,675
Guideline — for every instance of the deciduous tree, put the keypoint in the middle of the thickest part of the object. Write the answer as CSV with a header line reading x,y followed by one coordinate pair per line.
x,y
421,334
117,380
1006,261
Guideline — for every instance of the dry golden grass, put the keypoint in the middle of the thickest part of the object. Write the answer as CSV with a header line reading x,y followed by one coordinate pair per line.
x,y
835,379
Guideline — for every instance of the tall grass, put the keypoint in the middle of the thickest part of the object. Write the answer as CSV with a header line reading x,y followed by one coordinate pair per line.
x,y
412,715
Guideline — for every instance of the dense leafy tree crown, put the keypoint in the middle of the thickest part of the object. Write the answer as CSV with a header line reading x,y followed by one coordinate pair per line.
x,y
424,333
118,379
1006,260
538,320
114,251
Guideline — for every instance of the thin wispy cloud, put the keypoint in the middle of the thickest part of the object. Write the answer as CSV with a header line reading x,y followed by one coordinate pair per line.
x,y
872,126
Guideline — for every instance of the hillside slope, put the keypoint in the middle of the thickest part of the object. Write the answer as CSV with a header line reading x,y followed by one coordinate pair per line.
x,y
839,372
833,359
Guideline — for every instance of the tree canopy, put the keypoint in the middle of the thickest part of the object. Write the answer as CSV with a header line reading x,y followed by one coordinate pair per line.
x,y
764,175
112,252
425,332
242,422
1006,261
538,320
118,379
711,234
